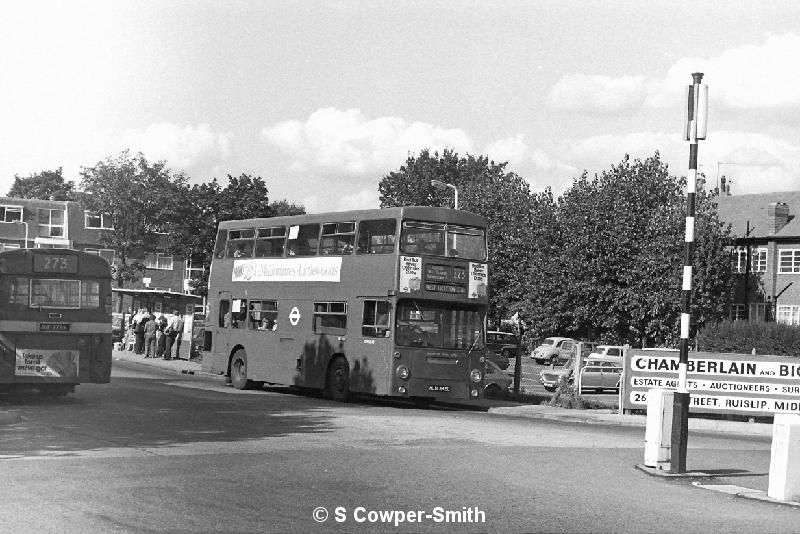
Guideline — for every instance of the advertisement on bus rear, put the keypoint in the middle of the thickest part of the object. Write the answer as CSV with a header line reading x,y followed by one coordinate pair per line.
x,y
46,363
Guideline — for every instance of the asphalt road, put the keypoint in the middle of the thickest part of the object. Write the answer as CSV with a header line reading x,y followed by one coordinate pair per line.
x,y
162,452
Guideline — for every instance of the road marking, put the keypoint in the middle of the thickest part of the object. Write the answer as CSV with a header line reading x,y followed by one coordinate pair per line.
x,y
222,389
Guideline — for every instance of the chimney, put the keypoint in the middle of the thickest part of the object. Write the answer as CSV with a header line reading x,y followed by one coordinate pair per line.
x,y
777,216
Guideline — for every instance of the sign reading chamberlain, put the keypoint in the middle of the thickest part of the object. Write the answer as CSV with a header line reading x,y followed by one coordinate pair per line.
x,y
731,383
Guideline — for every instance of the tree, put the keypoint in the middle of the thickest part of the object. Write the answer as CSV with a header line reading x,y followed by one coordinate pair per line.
x,y
617,272
516,218
140,200
45,185
204,206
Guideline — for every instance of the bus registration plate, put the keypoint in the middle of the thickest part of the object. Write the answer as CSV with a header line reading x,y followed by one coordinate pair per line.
x,y
446,389
53,327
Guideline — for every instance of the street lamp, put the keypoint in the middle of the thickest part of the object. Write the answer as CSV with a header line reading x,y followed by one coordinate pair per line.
x,y
26,231
438,184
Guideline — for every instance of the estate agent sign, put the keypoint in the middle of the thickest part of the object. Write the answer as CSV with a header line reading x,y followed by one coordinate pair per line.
x,y
717,383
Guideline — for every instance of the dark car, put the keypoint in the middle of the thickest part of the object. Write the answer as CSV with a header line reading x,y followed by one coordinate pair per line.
x,y
503,343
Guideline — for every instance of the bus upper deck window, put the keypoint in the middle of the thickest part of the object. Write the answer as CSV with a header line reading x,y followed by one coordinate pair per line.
x,y
337,238
222,240
423,238
377,237
240,243
270,242
303,240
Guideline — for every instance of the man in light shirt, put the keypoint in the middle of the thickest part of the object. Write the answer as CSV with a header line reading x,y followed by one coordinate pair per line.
x,y
174,332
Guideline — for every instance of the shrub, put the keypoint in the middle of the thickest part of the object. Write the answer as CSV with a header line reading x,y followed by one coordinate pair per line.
x,y
742,337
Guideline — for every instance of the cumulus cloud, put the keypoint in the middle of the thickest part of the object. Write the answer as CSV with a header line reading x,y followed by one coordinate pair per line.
x,y
182,147
346,141
598,93
765,75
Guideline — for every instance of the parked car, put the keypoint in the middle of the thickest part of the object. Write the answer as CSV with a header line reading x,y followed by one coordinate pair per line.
x,y
504,343
551,377
597,374
601,373
496,381
608,351
554,350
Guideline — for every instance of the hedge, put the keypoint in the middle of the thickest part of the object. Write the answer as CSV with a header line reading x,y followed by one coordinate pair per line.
x,y
742,337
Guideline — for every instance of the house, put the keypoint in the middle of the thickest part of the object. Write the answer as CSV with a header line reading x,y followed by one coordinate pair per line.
x,y
34,223
766,228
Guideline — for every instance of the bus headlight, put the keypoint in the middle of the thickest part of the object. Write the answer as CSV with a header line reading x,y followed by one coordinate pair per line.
x,y
476,375
402,372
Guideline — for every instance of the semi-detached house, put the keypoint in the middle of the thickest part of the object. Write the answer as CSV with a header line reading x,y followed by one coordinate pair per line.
x,y
766,228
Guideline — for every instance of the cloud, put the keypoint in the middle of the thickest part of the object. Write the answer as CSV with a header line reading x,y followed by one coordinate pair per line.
x,y
183,147
346,141
761,76
598,93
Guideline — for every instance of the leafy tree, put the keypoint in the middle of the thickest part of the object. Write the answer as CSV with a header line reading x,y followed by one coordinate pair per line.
x,y
43,185
205,205
140,199
517,219
617,272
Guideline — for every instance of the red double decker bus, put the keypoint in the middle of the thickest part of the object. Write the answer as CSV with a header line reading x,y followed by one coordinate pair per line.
x,y
384,302
55,320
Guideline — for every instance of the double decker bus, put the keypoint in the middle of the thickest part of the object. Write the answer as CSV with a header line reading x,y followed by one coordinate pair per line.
x,y
55,320
384,302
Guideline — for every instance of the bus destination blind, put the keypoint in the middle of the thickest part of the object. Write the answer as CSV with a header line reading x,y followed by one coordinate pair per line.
x,y
55,263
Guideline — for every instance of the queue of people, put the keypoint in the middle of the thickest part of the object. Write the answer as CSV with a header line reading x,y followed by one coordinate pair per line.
x,y
155,335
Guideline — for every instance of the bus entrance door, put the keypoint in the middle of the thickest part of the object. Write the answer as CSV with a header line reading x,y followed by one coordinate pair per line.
x,y
371,362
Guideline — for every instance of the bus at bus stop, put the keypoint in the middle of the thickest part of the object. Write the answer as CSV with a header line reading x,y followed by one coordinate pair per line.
x,y
386,302
55,320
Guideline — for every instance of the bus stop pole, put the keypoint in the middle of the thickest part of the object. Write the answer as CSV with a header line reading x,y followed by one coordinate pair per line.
x,y
520,329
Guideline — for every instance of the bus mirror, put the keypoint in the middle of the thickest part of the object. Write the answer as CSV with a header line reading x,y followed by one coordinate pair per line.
x,y
391,293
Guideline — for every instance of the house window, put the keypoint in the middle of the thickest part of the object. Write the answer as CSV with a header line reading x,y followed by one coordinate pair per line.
x,y
100,221
789,261
758,260
758,312
105,253
158,261
51,222
330,317
788,315
8,246
10,214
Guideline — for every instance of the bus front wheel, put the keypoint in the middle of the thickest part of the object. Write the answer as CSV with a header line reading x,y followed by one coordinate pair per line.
x,y
239,370
337,383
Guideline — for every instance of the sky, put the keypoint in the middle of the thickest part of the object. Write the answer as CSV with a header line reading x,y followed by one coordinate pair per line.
x,y
322,99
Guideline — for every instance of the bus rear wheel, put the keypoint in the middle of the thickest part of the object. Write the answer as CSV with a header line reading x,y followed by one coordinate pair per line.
x,y
337,381
239,370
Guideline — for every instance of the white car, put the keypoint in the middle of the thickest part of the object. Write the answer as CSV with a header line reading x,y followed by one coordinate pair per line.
x,y
610,352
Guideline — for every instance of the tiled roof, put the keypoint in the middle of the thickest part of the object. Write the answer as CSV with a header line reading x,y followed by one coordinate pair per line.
x,y
739,209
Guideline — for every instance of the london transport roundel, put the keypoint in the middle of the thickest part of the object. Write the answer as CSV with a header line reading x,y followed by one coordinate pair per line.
x,y
294,316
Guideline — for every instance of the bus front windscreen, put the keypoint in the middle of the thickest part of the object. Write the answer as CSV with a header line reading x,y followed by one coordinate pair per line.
x,y
447,240
438,325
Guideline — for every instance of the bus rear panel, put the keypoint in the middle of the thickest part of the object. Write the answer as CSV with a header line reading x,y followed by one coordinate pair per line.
x,y
55,320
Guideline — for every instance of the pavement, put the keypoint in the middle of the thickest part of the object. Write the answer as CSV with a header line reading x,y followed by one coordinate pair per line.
x,y
606,417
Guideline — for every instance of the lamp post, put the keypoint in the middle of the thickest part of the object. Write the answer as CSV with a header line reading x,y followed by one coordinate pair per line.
x,y
438,184
26,231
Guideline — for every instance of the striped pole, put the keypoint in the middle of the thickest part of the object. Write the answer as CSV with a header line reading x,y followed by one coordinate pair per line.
x,y
680,409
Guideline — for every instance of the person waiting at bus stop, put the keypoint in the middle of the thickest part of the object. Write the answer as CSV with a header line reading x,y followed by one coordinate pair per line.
x,y
174,332
150,328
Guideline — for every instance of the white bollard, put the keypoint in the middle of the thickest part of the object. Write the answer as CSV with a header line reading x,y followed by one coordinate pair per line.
x,y
658,434
784,465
